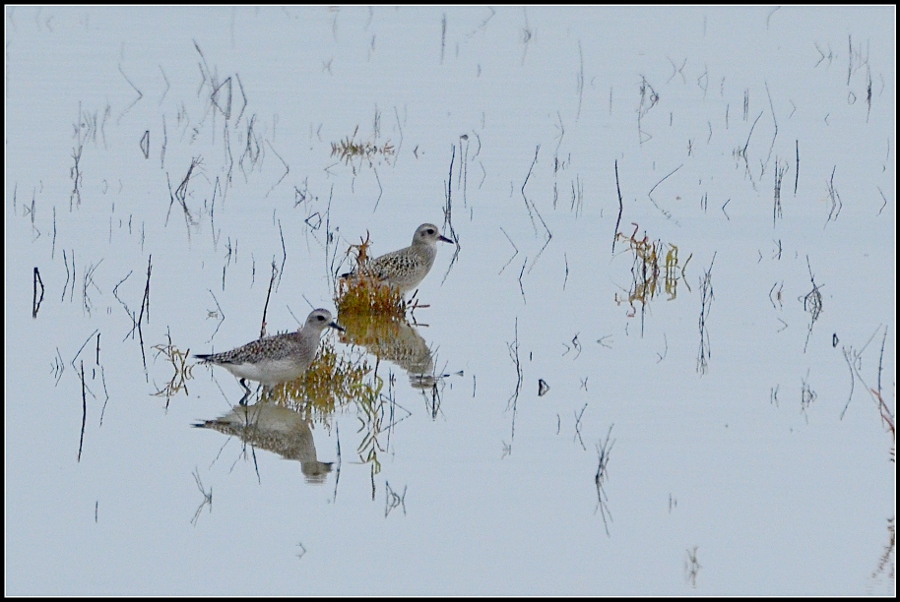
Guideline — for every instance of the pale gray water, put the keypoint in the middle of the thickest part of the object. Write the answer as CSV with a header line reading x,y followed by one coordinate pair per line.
x,y
769,473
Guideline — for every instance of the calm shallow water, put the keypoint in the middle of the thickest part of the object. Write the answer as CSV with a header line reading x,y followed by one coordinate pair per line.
x,y
768,472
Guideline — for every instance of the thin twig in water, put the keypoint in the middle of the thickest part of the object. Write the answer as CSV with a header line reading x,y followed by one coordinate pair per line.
x,y
262,330
207,497
779,176
533,210
448,217
692,566
774,121
883,198
835,199
514,398
796,165
528,204
666,213
145,304
35,301
577,435
812,303
283,254
618,219
83,412
854,362
743,151
521,288
514,247
287,169
706,299
220,314
136,100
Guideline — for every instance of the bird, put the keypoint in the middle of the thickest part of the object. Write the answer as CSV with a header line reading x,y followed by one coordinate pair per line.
x,y
405,269
275,359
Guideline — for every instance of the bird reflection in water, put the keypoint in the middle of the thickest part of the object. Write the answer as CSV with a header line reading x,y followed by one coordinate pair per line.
x,y
394,340
277,429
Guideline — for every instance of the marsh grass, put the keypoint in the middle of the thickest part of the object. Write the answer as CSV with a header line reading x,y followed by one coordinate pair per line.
x,y
361,295
183,370
331,382
655,268
373,332
349,149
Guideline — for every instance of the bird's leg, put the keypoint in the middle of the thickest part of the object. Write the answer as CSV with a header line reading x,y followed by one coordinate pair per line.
x,y
243,400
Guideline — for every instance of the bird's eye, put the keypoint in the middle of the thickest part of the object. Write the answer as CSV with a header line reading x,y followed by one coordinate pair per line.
x,y
430,230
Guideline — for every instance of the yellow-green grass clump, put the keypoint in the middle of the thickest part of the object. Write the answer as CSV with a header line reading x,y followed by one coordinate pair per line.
x,y
330,382
362,295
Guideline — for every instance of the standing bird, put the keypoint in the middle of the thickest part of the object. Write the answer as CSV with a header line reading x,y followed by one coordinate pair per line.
x,y
275,359
405,269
